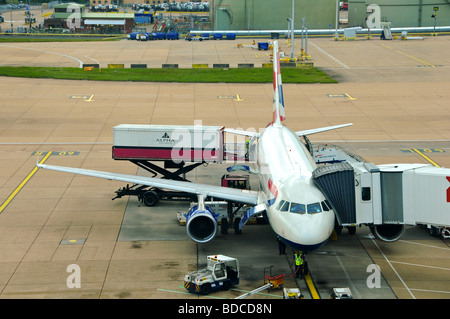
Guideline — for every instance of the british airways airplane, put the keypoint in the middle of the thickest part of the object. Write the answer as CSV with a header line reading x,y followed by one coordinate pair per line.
x,y
295,208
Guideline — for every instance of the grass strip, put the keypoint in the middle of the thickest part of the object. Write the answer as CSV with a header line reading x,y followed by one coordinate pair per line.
x,y
188,75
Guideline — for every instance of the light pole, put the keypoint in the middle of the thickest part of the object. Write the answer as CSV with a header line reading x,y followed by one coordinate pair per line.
x,y
337,20
291,20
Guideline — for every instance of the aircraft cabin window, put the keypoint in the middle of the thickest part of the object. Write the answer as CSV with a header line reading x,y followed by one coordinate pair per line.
x,y
298,208
314,208
325,206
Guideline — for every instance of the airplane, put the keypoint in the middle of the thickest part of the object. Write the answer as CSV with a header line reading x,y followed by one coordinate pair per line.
x,y
295,208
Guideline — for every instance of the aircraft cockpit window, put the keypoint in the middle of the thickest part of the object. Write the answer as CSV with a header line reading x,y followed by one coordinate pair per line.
x,y
298,208
314,208
280,204
285,207
325,206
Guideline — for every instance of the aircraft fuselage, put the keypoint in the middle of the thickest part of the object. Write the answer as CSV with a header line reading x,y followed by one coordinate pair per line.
x,y
297,210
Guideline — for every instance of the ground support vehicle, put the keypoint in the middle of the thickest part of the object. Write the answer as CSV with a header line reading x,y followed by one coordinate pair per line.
x,y
341,293
221,272
147,145
292,293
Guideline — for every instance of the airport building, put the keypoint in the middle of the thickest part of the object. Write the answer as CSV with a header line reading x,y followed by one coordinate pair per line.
x,y
321,14
271,15
90,21
400,13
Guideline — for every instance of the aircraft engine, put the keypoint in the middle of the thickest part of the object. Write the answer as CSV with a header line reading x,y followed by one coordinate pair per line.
x,y
388,232
201,224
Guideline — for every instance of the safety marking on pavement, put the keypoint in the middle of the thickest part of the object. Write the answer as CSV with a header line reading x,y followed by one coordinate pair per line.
x,y
426,157
344,95
86,98
422,151
233,97
311,287
430,66
64,153
79,241
329,56
21,185
410,56
424,63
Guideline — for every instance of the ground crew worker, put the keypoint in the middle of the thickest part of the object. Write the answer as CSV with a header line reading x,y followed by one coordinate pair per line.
x,y
298,259
281,246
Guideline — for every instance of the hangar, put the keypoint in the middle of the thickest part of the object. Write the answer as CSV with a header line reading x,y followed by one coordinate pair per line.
x,y
400,13
321,14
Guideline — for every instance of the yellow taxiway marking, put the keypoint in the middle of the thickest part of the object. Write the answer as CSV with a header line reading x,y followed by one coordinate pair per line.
x,y
425,157
233,97
17,190
312,288
410,56
344,95
349,97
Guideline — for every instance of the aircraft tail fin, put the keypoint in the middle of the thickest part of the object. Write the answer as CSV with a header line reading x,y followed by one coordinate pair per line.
x,y
278,100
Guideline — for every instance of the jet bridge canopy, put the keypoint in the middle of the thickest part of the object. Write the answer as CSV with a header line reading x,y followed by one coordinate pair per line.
x,y
336,182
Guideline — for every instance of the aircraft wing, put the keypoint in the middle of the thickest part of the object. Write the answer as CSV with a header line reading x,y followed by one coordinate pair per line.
x,y
322,129
232,194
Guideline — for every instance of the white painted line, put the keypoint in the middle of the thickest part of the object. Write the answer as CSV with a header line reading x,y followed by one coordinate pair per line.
x,y
390,264
417,265
330,56
50,52
431,246
436,291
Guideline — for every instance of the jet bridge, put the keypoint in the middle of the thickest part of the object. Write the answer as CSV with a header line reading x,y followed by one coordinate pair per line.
x,y
385,197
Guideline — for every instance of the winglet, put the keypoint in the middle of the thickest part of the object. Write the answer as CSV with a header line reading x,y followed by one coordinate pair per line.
x,y
278,100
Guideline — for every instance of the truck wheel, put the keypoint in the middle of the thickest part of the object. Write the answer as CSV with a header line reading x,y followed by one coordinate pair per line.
x,y
351,230
226,285
205,289
150,198
434,231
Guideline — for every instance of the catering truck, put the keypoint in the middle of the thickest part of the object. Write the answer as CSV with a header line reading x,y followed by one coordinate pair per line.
x,y
167,151
176,143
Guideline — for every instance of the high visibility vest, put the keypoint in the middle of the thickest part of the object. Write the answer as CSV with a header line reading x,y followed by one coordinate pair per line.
x,y
298,260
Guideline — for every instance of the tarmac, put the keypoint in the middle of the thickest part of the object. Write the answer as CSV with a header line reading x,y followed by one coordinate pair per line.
x,y
395,92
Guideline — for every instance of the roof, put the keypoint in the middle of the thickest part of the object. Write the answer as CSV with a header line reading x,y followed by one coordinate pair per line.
x,y
107,15
65,5
104,22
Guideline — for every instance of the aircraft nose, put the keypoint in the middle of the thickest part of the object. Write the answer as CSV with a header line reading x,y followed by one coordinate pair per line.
x,y
314,229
